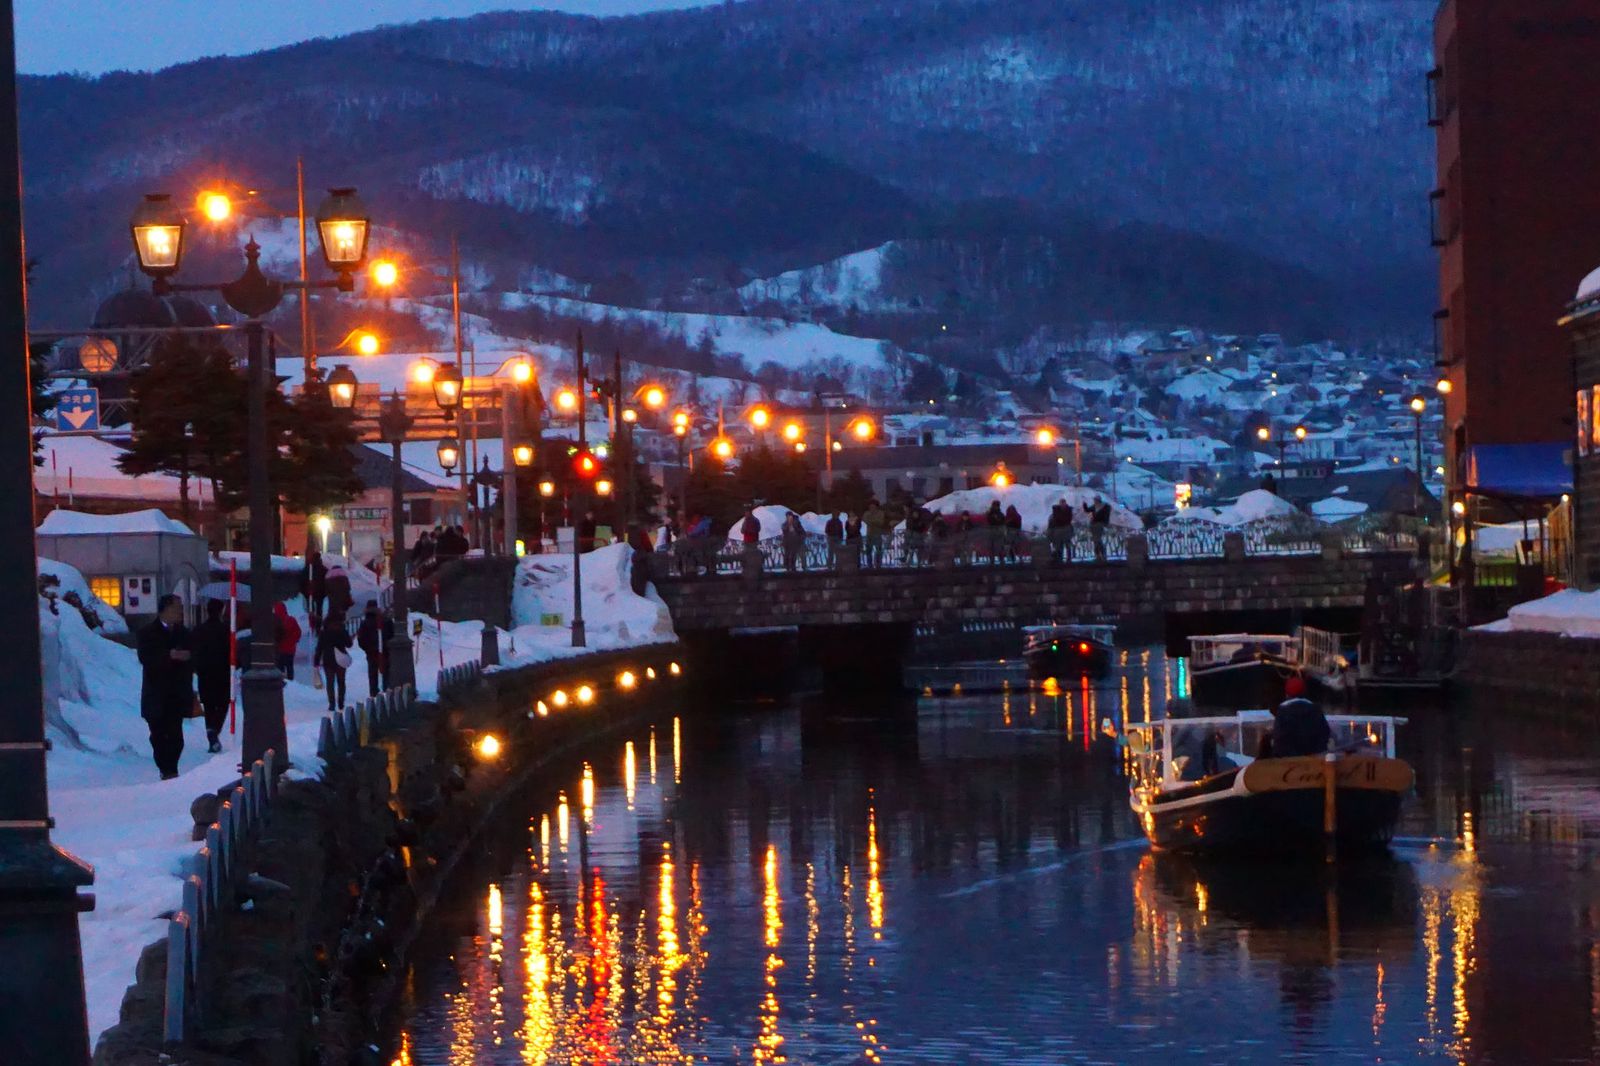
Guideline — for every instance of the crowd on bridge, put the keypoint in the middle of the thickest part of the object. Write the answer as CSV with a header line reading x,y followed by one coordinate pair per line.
x,y
872,539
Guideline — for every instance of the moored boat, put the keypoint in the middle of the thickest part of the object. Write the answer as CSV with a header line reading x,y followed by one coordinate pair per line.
x,y
1068,650
1196,786
1241,669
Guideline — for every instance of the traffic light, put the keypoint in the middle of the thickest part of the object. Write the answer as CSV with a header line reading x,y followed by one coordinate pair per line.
x,y
585,466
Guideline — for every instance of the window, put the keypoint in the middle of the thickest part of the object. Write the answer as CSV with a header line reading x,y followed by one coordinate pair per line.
x,y
1594,418
1435,97
1583,422
1439,220
108,589
1442,354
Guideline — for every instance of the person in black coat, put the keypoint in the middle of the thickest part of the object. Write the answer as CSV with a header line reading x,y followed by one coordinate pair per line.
x,y
167,693
316,584
212,674
332,640
372,637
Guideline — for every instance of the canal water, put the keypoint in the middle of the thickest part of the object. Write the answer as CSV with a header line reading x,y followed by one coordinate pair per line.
x,y
958,880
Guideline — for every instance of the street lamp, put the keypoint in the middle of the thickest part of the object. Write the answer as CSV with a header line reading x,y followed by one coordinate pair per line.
x,y
157,231
522,455
342,387
722,448
448,451
654,397
1045,437
1264,434
447,390
1418,405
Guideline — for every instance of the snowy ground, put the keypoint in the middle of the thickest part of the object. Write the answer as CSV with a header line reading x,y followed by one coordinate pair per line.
x,y
1569,613
113,812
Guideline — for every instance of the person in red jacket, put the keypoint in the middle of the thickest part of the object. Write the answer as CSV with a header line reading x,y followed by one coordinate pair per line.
x,y
288,632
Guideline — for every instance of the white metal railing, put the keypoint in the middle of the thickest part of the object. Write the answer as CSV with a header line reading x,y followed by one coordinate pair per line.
x,y
218,870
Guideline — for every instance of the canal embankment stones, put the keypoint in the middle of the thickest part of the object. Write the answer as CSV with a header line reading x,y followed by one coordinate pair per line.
x,y
307,963
1545,674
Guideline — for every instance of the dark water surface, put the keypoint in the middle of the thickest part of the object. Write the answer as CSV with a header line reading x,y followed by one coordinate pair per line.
x,y
965,884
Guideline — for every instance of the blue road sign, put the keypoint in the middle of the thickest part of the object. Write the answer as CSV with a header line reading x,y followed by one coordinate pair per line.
x,y
78,410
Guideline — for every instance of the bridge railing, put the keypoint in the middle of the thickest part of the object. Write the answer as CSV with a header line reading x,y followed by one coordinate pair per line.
x,y
220,870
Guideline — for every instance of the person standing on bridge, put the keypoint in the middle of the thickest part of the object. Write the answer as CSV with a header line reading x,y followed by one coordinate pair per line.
x,y
1059,529
876,521
834,532
750,529
793,535
995,521
1099,519
1013,532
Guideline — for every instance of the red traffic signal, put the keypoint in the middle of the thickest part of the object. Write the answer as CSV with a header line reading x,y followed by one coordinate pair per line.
x,y
584,465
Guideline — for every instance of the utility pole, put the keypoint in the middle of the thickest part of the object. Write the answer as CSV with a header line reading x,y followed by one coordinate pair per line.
x,y
579,638
308,348
41,986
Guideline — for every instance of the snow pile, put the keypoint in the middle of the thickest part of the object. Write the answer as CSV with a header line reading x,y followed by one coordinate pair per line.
x,y
1251,507
1501,539
1335,508
1569,612
1034,503
69,581
771,517
281,564
613,615
62,523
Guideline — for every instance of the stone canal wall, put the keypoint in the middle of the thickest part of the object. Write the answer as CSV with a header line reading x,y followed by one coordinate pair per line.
x,y
1022,595
1546,674
350,865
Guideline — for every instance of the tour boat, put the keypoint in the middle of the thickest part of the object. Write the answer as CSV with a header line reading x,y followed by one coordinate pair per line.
x,y
1195,786
1068,650
1241,669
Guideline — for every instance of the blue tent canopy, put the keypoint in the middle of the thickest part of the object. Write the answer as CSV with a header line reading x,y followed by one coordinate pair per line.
x,y
1519,471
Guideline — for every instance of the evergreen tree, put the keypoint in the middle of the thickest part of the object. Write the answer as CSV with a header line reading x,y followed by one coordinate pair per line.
x,y
925,383
317,463
850,494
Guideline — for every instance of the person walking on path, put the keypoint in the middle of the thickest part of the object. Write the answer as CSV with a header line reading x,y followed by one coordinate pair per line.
x,y
315,584
212,673
372,637
288,635
166,695
332,657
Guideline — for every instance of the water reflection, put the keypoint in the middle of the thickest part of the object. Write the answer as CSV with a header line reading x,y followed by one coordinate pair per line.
x,y
961,882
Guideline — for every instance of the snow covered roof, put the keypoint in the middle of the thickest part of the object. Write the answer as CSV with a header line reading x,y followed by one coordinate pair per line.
x,y
78,523
1590,286
87,466
1333,508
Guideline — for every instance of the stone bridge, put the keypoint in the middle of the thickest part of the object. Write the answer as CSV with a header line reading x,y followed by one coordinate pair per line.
x,y
852,617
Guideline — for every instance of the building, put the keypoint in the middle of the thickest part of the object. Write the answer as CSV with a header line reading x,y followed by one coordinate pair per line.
x,y
1515,211
130,559
1583,325
929,472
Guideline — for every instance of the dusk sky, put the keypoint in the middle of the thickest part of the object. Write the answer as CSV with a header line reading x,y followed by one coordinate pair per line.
x,y
95,36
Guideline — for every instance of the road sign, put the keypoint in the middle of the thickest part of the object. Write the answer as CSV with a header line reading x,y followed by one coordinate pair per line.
x,y
78,410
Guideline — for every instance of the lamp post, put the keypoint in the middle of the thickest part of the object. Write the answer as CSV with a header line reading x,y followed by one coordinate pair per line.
x,y
394,424
579,638
342,228
41,985
1264,434
1418,405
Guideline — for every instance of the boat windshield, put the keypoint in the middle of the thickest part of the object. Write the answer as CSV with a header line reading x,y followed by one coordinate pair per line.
x,y
1174,752
1241,647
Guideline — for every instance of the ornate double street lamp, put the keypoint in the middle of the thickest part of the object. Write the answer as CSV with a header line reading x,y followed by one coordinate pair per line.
x,y
394,423
342,226
1264,435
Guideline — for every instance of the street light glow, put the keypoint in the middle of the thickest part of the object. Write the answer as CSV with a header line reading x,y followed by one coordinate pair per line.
x,y
1000,479
367,343
487,747
629,415
1045,438
680,419
521,372
793,431
863,428
1418,404
385,273
216,206
1444,386
422,373
760,417
547,488
603,487
522,455
1299,432
722,448
655,397
567,400
1263,433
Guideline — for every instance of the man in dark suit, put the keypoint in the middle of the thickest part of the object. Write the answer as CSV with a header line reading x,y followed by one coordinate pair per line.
x,y
167,694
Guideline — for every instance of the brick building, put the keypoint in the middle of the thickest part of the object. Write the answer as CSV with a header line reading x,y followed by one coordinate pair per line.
x,y
1516,211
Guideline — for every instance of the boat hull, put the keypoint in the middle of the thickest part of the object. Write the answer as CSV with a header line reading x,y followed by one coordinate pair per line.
x,y
1279,806
1069,660
1258,683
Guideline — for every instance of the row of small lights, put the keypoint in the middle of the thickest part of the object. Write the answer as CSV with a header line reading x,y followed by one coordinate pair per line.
x,y
488,746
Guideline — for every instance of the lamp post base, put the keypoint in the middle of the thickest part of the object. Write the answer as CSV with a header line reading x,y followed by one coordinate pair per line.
x,y
261,692
42,983
402,670
579,637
